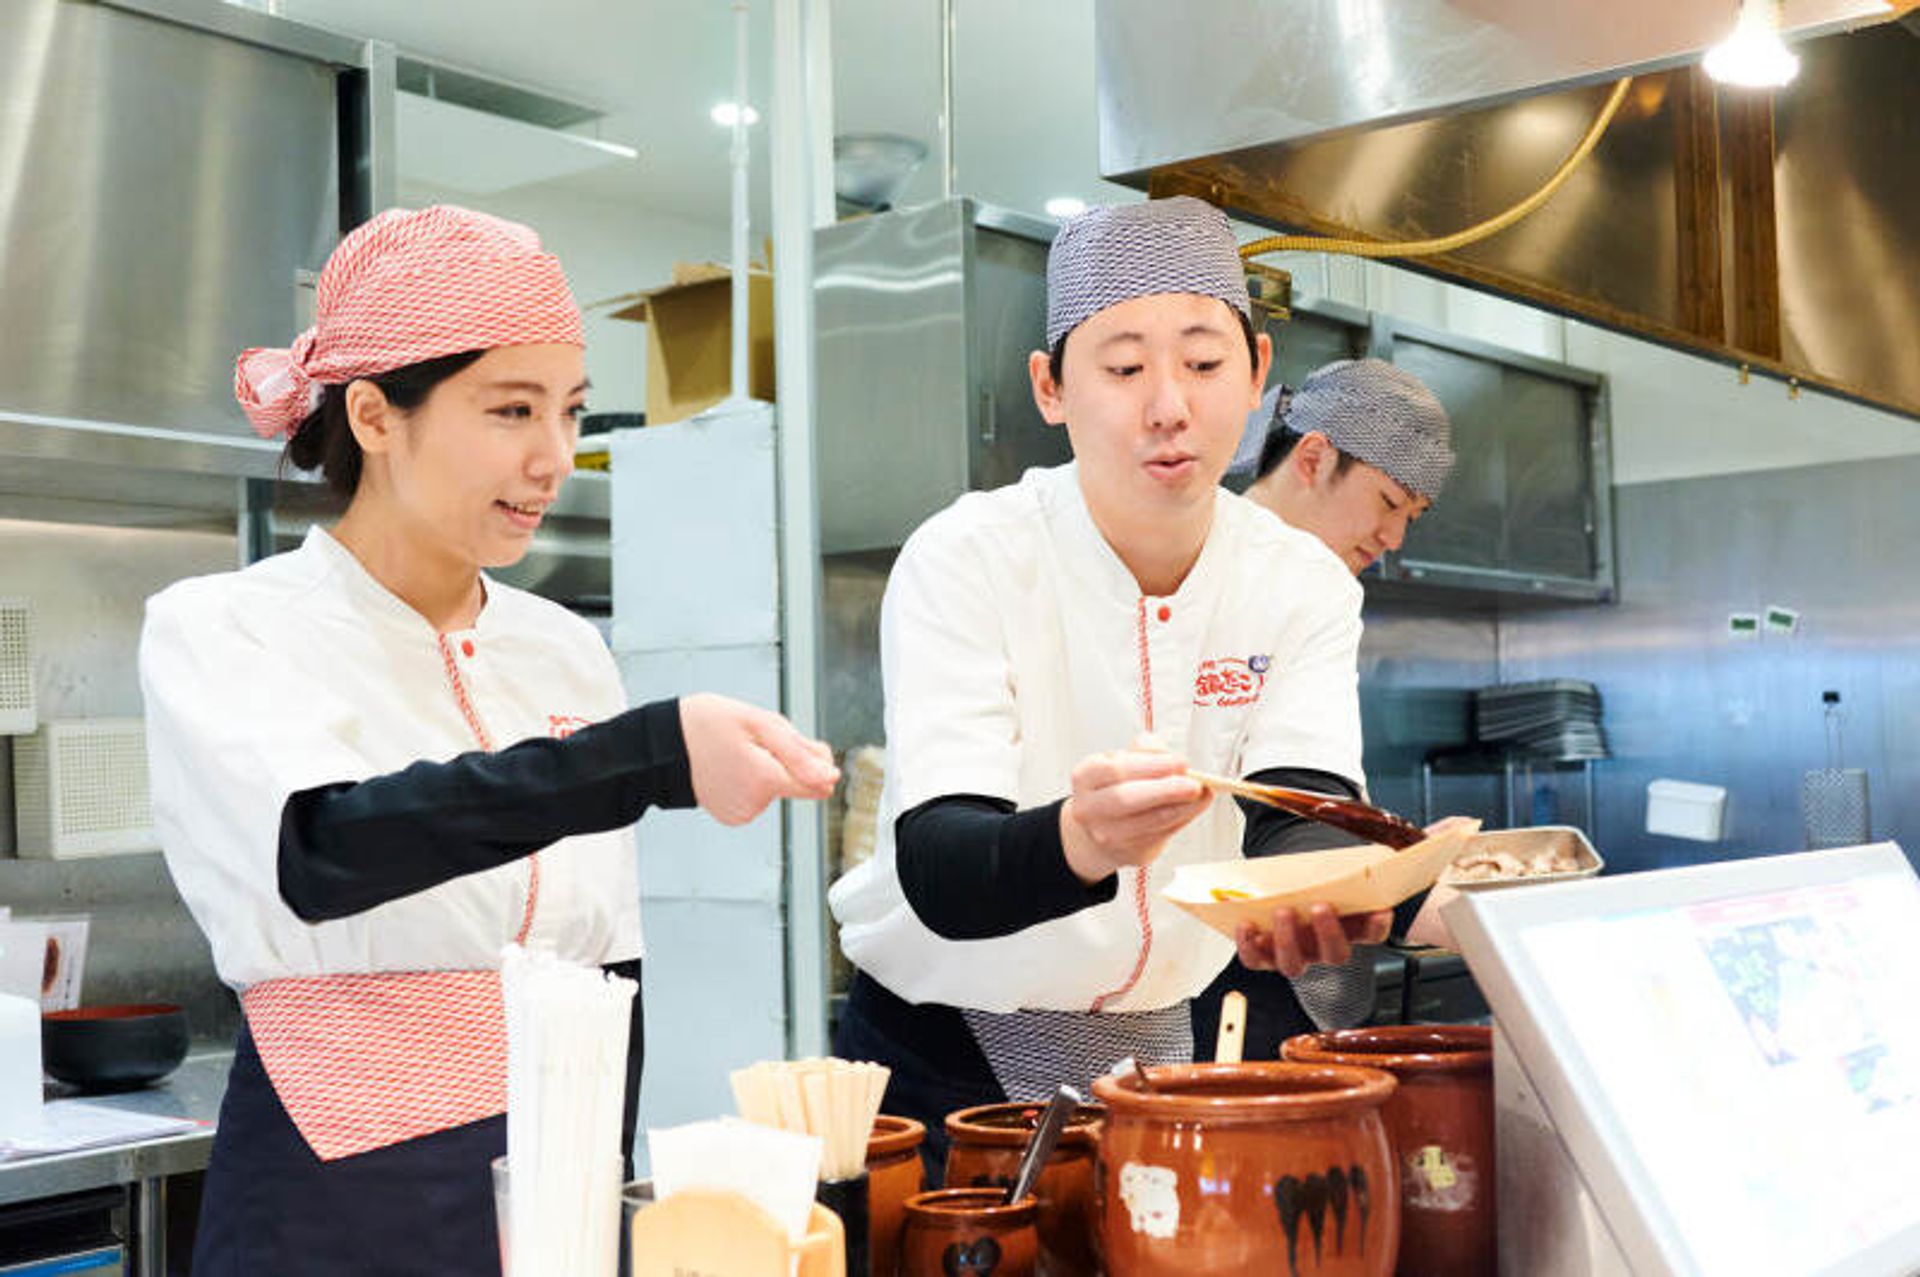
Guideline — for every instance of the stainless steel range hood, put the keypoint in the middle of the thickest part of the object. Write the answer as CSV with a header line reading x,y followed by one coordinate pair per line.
x,y
1773,231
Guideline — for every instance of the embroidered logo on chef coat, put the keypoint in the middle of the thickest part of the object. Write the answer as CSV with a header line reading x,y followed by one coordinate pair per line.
x,y
561,726
1230,680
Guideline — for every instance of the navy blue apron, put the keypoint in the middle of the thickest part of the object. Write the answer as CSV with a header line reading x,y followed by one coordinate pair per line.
x,y
408,1210
423,1208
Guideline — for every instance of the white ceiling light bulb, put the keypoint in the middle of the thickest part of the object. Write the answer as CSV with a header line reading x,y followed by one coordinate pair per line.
x,y
1754,56
1065,206
725,113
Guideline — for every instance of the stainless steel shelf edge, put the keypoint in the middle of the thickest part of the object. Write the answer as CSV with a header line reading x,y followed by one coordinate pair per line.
x,y
114,443
995,218
1391,326
1496,581
251,26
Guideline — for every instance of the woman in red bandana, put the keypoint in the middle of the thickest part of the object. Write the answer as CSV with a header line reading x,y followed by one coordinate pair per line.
x,y
374,766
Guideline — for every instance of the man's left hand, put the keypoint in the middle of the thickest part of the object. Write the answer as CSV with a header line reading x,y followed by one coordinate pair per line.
x,y
1325,939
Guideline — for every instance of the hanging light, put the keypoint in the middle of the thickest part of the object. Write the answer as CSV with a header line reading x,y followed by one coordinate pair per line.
x,y
1754,56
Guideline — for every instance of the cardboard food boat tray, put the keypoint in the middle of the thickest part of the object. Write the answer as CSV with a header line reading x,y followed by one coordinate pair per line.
x,y
1223,894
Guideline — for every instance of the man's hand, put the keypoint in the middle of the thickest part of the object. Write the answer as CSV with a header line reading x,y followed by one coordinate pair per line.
x,y
1427,927
744,757
1124,807
1326,938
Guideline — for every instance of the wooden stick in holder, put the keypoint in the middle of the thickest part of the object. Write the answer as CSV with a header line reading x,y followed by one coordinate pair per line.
x,y
1233,1028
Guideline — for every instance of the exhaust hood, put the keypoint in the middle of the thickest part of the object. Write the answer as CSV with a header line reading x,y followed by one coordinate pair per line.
x,y
1778,231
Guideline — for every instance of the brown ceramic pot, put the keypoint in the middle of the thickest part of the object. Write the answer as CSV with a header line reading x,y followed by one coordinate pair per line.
x,y
984,1150
1441,1124
968,1232
894,1174
1223,1170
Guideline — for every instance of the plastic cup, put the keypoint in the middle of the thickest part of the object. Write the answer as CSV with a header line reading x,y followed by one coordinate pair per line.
x,y
634,1198
503,1207
502,1195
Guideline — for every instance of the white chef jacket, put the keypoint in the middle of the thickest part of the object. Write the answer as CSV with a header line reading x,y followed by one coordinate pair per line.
x,y
1014,643
303,670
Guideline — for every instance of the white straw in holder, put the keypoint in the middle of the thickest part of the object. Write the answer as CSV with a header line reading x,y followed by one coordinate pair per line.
x,y
567,1028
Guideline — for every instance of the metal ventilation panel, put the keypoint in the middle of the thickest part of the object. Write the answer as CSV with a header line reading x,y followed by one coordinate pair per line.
x,y
18,715
478,92
1177,82
1771,231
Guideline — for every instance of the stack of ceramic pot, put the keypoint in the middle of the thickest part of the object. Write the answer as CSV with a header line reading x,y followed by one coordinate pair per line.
x,y
984,1149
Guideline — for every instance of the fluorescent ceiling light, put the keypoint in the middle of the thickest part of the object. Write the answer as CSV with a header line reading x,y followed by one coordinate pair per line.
x,y
1065,206
1754,56
725,113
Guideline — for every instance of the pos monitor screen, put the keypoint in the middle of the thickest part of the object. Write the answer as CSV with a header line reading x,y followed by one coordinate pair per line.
x,y
1730,1054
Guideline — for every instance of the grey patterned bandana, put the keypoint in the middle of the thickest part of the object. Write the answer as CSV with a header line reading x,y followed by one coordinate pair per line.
x,y
1380,413
1106,256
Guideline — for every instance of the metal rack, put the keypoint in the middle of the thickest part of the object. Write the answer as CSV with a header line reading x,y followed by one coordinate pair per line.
x,y
1510,766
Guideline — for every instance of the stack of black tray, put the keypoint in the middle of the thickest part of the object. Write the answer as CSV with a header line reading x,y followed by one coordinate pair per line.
x,y
1555,718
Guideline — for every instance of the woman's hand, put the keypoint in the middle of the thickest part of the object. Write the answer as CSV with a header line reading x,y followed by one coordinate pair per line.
x,y
1326,938
744,757
1124,807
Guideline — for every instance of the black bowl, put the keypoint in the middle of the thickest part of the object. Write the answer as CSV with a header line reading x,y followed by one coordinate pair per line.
x,y
113,1048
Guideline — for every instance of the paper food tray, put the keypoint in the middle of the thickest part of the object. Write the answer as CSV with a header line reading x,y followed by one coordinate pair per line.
x,y
1525,842
1351,879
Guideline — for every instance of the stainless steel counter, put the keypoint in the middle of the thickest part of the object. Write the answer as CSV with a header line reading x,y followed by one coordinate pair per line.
x,y
194,1090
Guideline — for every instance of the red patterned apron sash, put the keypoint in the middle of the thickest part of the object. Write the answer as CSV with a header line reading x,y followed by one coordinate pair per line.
x,y
364,1061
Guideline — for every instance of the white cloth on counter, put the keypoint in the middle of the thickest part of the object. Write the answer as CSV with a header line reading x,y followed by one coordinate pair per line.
x,y
1014,643
303,670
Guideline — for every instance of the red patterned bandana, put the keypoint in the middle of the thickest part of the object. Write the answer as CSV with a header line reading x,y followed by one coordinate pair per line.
x,y
407,287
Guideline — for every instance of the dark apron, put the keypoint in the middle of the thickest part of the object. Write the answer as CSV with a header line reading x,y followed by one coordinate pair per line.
x,y
270,1206
423,1208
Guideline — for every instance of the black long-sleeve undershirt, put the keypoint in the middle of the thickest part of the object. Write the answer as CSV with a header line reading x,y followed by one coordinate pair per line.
x,y
348,847
973,868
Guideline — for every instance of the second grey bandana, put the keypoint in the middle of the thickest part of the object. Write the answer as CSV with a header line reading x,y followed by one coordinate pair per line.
x,y
1380,413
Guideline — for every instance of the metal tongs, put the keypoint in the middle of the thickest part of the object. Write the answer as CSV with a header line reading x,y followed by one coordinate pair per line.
x,y
1040,1145
1371,823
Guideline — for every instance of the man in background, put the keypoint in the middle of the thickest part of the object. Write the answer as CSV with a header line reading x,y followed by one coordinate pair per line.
x,y
1354,457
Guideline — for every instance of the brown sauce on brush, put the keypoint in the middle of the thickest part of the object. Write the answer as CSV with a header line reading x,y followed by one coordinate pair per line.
x,y
1357,818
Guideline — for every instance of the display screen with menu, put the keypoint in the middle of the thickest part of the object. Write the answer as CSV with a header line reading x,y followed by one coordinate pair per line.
x,y
1747,1049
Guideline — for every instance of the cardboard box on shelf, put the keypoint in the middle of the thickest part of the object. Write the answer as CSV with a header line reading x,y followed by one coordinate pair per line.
x,y
689,339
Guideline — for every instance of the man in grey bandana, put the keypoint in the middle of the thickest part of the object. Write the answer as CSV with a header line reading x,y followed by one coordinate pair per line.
x,y
1056,653
1354,456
